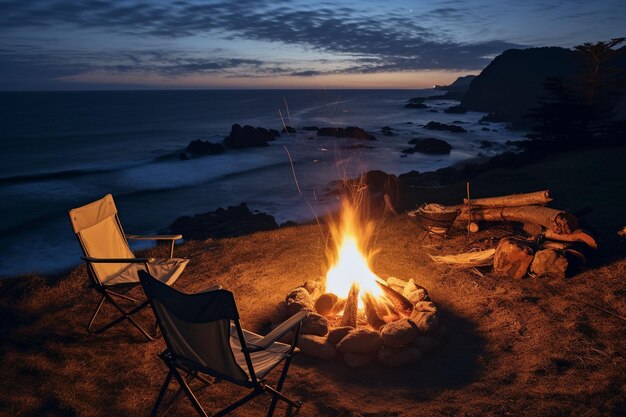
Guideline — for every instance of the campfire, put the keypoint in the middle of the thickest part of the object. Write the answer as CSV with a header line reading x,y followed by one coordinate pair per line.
x,y
357,314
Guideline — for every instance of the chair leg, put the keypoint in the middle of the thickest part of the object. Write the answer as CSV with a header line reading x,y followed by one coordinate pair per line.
x,y
255,393
126,315
183,384
162,392
95,313
277,392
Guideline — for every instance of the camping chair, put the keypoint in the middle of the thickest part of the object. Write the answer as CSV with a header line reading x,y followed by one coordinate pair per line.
x,y
204,337
111,266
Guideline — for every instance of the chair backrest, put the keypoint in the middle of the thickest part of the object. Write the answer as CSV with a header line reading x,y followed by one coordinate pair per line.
x,y
100,234
197,327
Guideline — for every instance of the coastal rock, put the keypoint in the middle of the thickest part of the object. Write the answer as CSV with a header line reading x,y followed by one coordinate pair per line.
x,y
248,136
288,129
360,341
398,333
399,356
315,324
338,333
456,110
311,128
316,347
229,222
432,125
204,147
429,146
460,85
359,360
350,132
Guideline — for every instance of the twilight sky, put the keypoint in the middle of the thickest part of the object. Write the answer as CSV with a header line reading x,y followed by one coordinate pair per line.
x,y
94,44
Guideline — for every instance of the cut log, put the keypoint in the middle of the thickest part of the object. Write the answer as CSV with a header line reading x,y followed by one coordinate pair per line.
x,y
513,200
473,227
400,303
550,263
532,229
371,311
560,222
512,258
576,236
352,304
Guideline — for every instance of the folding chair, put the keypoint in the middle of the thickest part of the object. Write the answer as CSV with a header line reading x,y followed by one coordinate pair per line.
x,y
111,266
204,337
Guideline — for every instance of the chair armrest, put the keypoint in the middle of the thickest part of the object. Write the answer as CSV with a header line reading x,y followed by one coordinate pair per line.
x,y
284,328
117,260
211,288
154,237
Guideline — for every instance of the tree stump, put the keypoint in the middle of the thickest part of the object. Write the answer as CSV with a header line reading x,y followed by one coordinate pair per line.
x,y
512,258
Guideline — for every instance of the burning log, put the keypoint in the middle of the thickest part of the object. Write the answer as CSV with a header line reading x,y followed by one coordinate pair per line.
x,y
400,303
513,200
351,308
576,236
557,221
512,258
371,311
338,307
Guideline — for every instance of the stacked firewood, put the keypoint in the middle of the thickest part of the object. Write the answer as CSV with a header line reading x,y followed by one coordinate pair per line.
x,y
553,244
397,329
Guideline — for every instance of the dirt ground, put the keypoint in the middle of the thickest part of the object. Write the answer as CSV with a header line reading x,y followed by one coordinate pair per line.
x,y
532,347
514,348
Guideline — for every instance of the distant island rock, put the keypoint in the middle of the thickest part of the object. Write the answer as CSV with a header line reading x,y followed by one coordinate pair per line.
x,y
432,125
413,105
288,129
350,132
229,222
204,147
456,110
429,146
248,137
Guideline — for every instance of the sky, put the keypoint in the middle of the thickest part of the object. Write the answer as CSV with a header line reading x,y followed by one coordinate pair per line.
x,y
129,44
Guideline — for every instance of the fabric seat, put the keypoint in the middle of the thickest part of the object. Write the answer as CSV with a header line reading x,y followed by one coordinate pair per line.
x,y
204,336
112,267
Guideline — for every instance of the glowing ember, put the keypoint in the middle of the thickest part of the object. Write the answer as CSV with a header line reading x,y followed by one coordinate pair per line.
x,y
348,262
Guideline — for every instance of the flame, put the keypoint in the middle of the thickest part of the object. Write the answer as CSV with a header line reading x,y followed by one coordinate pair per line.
x,y
347,258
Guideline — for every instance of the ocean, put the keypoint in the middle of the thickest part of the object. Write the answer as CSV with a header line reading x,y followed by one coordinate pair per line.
x,y
64,149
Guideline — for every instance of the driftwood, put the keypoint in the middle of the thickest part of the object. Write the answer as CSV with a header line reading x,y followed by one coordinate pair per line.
x,y
576,236
512,258
372,311
467,260
557,221
550,263
513,200
352,304
400,303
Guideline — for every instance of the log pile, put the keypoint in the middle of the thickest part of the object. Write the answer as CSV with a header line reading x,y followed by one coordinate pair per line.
x,y
554,242
397,329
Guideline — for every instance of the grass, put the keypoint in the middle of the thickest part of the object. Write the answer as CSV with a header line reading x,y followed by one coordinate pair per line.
x,y
514,348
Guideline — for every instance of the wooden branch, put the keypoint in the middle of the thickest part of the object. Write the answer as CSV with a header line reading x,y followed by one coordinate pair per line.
x,y
513,200
371,311
352,305
576,236
400,303
559,222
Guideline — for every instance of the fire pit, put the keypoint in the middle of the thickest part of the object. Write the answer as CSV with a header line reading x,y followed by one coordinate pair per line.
x,y
358,315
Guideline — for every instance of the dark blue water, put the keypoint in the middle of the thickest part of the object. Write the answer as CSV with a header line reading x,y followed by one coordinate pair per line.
x,y
64,149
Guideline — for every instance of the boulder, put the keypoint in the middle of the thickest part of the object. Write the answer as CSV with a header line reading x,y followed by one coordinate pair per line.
x,y
204,147
425,322
248,136
315,324
399,356
315,288
298,300
398,333
350,132
316,347
430,146
414,293
359,360
229,222
442,126
325,303
279,314
360,341
426,344
336,334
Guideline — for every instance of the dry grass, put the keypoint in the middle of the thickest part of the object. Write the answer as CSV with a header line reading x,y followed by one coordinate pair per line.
x,y
515,348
